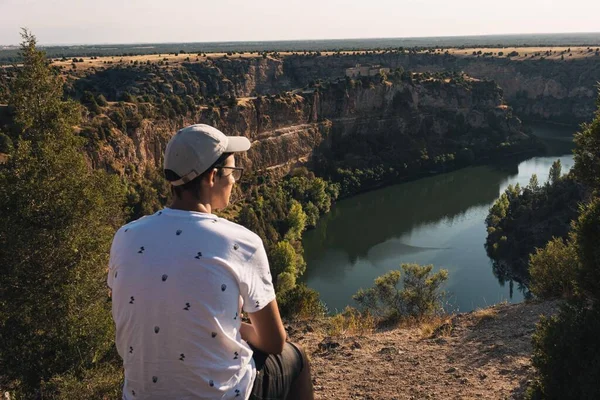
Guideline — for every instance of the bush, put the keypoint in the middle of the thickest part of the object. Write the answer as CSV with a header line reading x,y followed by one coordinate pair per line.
x,y
301,302
101,100
6,144
420,296
567,354
554,269
587,230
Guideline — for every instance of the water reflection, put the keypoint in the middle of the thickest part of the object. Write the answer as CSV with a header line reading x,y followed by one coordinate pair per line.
x,y
437,220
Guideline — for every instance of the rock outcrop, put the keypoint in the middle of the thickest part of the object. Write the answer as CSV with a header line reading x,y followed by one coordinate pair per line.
x,y
436,116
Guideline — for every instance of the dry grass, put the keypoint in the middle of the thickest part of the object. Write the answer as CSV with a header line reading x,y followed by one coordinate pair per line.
x,y
436,326
484,314
350,322
525,53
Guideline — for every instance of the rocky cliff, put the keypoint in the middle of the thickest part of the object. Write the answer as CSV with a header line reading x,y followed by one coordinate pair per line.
x,y
537,89
405,119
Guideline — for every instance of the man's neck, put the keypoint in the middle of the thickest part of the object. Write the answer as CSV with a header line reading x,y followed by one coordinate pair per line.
x,y
186,205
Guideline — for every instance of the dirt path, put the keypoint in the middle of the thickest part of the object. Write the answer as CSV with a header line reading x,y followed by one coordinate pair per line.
x,y
481,355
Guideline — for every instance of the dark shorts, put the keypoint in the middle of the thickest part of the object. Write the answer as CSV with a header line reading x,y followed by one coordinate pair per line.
x,y
276,372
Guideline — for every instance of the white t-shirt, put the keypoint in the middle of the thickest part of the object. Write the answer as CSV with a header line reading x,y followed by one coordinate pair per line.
x,y
179,280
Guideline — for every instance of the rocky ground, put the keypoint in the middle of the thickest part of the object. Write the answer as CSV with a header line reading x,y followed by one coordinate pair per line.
x,y
484,354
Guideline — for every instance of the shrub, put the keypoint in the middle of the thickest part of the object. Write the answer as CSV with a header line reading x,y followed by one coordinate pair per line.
x,y
301,302
101,100
587,230
419,297
6,144
554,269
567,354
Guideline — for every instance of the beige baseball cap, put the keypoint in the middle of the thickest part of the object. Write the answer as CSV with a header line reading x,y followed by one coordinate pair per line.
x,y
192,150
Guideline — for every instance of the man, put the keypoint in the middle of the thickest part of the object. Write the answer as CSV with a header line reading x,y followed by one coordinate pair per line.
x,y
180,279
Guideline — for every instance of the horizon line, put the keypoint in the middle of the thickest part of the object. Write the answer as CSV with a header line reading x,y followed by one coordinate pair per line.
x,y
306,40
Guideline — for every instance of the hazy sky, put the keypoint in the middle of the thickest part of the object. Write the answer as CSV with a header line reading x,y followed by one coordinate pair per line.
x,y
134,21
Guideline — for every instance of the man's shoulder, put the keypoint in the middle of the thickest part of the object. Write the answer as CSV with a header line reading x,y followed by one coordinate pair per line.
x,y
240,232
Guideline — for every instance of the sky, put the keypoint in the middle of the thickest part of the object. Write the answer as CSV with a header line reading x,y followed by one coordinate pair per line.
x,y
156,21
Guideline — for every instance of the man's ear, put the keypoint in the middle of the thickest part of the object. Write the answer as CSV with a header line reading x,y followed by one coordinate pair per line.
x,y
212,176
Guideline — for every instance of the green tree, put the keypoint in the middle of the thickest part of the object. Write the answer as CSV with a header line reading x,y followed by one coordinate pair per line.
x,y
285,259
533,183
296,221
58,218
555,172
587,152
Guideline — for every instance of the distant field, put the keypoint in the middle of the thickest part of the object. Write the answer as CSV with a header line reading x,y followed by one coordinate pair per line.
x,y
10,55
523,53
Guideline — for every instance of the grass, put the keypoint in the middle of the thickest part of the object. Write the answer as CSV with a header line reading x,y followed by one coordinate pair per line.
x,y
436,326
485,314
350,322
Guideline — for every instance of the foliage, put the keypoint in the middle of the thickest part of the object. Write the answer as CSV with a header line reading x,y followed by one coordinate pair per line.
x,y
554,175
567,354
295,221
147,194
104,381
587,230
6,144
523,219
276,212
554,269
301,302
286,265
419,297
58,218
567,346
587,152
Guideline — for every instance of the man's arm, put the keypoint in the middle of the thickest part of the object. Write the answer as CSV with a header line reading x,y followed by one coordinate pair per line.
x,y
266,332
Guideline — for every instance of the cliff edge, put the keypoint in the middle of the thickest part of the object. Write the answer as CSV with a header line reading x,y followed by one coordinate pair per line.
x,y
484,354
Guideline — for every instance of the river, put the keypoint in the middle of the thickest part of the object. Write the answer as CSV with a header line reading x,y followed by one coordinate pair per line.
x,y
438,220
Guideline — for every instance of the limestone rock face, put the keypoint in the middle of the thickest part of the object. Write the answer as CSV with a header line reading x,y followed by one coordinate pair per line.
x,y
537,89
286,129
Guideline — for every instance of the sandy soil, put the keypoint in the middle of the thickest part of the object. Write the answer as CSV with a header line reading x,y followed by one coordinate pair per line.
x,y
480,355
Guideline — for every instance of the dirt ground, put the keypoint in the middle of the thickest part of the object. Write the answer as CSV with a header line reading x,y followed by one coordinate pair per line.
x,y
485,354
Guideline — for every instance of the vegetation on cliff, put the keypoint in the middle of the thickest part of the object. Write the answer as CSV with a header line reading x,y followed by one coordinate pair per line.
x,y
279,212
58,218
526,218
566,346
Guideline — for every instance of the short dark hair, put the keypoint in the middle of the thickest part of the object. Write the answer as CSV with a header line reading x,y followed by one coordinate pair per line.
x,y
194,185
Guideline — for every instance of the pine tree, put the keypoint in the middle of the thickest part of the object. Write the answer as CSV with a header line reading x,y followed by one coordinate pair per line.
x,y
58,218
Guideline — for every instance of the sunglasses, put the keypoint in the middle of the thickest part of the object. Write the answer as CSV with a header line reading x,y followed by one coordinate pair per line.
x,y
237,172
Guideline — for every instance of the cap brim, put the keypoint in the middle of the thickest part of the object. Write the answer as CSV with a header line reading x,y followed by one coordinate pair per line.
x,y
236,144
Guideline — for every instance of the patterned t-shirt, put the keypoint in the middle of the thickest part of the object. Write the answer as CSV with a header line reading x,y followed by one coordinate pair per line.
x,y
179,280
